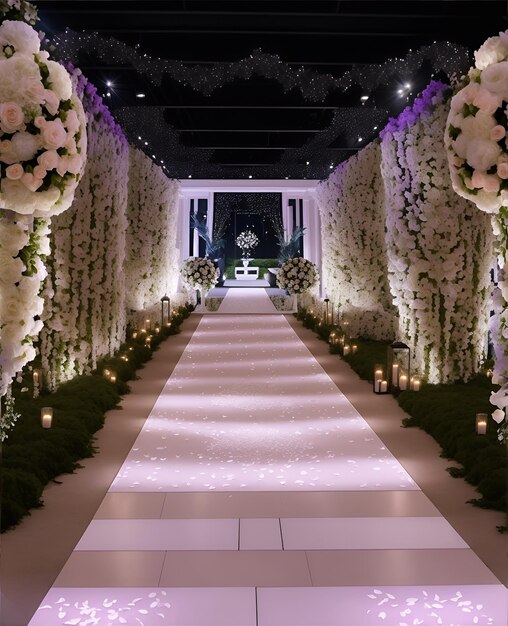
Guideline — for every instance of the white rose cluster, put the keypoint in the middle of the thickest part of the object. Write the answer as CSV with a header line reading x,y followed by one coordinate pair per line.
x,y
297,275
23,270
42,127
199,273
476,129
351,207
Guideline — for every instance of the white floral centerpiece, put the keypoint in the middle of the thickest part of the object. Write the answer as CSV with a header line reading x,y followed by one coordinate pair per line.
x,y
476,139
199,273
42,154
297,275
247,241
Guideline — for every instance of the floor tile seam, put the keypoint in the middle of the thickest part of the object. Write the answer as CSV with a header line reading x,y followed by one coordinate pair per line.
x,y
271,551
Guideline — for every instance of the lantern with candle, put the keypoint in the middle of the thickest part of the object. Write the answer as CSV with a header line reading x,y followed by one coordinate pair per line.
x,y
47,416
399,366
481,423
37,382
165,300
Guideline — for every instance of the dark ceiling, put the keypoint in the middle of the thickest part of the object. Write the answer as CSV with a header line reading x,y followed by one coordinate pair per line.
x,y
263,89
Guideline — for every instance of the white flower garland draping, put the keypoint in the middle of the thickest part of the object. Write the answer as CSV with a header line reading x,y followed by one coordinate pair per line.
x,y
85,315
42,152
476,136
351,206
151,265
297,275
438,246
199,273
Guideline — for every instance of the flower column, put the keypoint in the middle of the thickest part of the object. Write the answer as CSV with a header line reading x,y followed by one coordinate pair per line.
x,y
42,153
476,138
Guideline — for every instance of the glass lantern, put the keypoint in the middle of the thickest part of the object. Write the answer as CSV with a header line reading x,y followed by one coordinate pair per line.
x,y
398,367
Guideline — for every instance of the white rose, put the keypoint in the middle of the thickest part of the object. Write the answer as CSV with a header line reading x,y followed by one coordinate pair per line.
x,y
54,135
12,269
11,117
19,36
48,159
20,81
60,80
492,51
495,79
482,154
51,101
12,238
14,172
72,122
30,181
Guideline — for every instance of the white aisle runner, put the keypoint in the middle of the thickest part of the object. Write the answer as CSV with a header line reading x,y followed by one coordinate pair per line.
x,y
253,300
256,495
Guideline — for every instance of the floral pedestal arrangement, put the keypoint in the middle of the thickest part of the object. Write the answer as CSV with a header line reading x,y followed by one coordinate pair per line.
x,y
200,274
245,262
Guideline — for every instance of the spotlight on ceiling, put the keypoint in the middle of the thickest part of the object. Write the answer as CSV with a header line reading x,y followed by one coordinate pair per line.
x,y
360,139
375,127
108,94
109,83
407,86
146,143
250,175
331,166
364,98
189,176
140,95
307,162
139,138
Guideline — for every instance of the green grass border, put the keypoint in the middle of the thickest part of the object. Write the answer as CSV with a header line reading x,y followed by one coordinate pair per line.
x,y
447,413
32,456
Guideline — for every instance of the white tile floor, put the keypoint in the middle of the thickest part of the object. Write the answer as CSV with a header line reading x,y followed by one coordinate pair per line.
x,y
256,495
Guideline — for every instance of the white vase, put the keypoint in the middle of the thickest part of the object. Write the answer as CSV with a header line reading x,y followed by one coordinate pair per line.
x,y
246,262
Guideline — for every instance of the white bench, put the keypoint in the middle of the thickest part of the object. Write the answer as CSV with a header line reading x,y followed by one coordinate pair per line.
x,y
247,273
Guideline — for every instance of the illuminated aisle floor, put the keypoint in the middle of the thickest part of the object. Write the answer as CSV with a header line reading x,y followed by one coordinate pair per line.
x,y
257,495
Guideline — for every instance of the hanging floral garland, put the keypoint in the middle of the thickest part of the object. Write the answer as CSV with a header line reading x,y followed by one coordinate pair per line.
x,y
84,316
476,139
351,207
42,155
438,246
151,233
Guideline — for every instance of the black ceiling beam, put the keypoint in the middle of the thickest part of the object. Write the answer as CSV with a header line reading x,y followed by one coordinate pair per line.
x,y
299,33
247,130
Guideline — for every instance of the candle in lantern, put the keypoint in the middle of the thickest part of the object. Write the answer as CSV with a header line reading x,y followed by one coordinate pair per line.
x,y
157,330
46,416
134,335
378,374
36,377
403,382
147,323
347,349
112,378
481,423
377,385
384,386
416,384
354,348
106,373
395,374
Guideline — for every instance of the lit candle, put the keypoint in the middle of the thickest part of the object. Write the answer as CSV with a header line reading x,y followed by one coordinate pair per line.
x,y
168,324
46,416
378,374
354,348
134,335
347,349
403,382
416,384
147,323
112,378
481,423
377,385
157,330
36,377
106,373
395,374
384,386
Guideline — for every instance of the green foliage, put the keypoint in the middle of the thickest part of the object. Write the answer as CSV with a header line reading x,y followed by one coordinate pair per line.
x,y
447,413
32,456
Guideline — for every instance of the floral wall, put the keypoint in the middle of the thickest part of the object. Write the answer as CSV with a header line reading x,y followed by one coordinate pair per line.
x,y
84,313
439,246
354,268
151,264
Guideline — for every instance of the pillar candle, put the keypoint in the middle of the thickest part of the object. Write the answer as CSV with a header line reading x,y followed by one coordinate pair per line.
x,y
377,385
384,386
416,384
378,374
395,374
47,416
403,382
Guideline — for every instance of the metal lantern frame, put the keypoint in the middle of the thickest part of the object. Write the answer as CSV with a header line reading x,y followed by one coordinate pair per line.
x,y
165,299
398,366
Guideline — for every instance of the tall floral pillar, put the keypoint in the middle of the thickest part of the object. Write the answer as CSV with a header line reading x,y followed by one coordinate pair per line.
x,y
476,138
42,151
